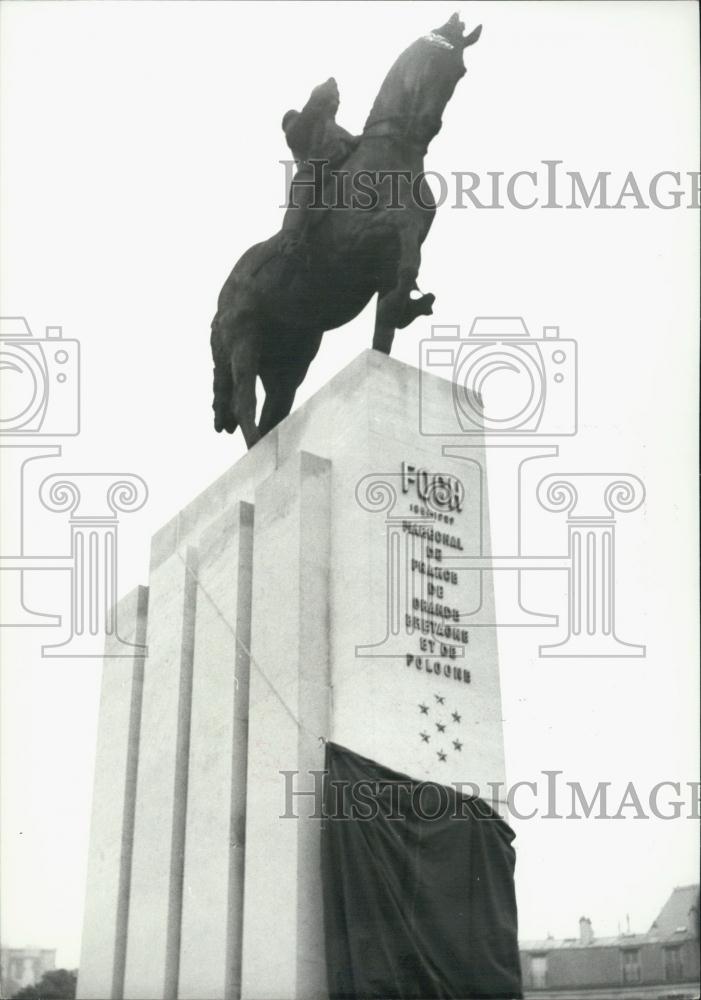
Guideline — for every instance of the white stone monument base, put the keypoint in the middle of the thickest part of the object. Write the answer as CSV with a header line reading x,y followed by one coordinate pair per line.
x,y
313,592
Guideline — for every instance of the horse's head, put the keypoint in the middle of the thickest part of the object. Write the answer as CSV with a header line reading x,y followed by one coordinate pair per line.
x,y
421,82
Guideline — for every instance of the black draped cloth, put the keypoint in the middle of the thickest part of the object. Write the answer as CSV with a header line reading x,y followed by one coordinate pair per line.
x,y
418,887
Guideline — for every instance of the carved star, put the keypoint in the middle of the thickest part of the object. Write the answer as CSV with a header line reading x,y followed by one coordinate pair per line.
x,y
440,726
440,699
457,717
441,755
424,709
458,745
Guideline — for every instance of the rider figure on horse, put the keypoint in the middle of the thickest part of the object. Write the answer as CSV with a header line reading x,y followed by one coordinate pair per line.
x,y
312,134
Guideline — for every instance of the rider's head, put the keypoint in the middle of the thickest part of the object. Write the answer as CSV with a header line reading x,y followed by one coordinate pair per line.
x,y
326,96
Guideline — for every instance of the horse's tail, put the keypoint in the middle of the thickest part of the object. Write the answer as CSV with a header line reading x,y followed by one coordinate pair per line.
x,y
222,403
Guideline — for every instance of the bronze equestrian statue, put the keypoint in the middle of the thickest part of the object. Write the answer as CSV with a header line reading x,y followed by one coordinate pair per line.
x,y
326,263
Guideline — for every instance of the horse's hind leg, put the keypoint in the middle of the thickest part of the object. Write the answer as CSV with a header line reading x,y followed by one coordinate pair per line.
x,y
279,397
244,369
224,419
282,380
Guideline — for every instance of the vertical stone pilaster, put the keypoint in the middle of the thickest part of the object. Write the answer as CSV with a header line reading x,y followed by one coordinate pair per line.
x,y
106,916
210,956
289,710
153,943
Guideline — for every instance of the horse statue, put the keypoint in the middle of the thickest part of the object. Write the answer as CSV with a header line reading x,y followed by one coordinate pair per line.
x,y
276,304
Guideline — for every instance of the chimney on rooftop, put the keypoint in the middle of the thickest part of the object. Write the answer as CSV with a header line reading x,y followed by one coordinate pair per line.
x,y
586,934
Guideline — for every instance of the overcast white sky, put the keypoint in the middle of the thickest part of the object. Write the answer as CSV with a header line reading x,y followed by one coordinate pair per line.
x,y
140,149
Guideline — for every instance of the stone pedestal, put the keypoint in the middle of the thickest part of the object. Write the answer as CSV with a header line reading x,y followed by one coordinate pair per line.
x,y
315,591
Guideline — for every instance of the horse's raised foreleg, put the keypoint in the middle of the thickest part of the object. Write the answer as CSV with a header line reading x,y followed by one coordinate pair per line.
x,y
421,306
395,306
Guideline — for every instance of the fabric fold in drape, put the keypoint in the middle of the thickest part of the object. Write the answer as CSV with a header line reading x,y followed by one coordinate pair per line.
x,y
418,887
